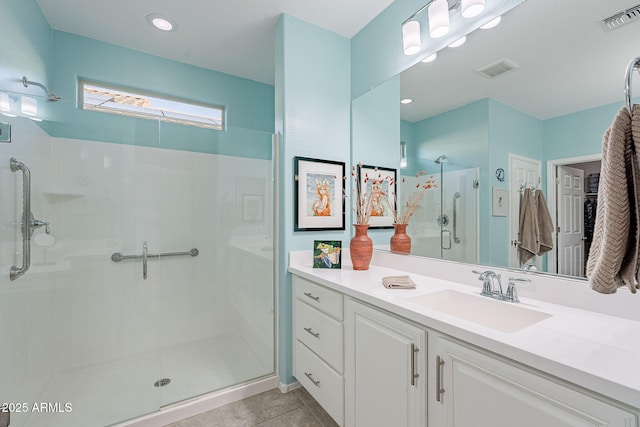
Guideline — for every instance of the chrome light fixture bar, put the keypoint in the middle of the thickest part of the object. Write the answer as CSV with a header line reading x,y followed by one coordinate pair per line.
x,y
438,17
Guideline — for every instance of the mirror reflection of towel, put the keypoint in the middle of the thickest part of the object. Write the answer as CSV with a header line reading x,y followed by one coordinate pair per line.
x,y
528,229
545,224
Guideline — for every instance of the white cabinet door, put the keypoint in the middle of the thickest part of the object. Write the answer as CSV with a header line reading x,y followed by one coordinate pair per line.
x,y
475,389
385,372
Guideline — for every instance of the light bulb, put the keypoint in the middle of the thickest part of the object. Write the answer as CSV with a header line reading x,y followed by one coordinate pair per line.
x,y
28,106
459,42
438,18
430,58
493,23
5,105
411,37
471,8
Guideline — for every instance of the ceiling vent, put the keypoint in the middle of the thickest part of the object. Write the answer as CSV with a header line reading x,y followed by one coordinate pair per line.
x,y
497,68
621,18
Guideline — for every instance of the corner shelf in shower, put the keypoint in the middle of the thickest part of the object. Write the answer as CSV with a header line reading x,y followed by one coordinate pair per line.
x,y
61,196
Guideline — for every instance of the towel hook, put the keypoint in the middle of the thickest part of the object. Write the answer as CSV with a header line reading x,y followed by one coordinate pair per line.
x,y
633,64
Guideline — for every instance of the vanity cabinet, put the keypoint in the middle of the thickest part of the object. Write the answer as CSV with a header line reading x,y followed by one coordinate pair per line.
x,y
318,362
385,372
472,387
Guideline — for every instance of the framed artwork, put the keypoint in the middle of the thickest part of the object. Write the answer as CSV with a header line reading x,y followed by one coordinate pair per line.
x,y
319,194
327,254
252,207
500,202
380,183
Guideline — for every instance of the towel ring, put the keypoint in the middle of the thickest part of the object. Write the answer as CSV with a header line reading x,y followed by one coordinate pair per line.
x,y
633,64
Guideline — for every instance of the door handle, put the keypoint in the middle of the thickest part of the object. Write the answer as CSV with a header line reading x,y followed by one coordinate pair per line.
x,y
144,261
439,388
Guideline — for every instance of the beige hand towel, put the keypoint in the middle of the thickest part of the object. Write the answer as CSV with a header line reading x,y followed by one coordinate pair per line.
x,y
398,282
528,230
613,257
545,224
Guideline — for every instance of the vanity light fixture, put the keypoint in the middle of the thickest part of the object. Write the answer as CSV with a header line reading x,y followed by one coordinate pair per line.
x,y
403,154
28,106
430,58
161,22
411,37
459,42
491,24
438,12
471,8
406,101
5,105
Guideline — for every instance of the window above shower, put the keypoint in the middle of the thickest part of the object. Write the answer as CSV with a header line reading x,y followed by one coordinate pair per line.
x,y
130,102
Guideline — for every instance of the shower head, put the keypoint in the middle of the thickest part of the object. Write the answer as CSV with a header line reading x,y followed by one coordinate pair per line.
x,y
439,159
51,95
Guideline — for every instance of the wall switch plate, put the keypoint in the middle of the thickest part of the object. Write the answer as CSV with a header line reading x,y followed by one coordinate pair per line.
x,y
5,132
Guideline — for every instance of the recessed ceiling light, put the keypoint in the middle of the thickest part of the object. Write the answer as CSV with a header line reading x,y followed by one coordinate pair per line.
x,y
161,22
459,42
430,58
492,23
406,101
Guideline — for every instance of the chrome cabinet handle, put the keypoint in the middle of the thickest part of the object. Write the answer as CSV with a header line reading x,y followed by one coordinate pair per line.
x,y
315,334
144,261
456,239
311,296
439,388
414,374
315,383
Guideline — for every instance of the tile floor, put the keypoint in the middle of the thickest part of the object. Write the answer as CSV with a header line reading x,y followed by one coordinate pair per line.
x,y
269,409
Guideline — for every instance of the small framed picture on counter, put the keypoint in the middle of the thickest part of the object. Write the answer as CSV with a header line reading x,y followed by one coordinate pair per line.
x,y
327,254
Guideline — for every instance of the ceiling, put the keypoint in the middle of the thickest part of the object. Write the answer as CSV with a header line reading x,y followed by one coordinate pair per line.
x,y
232,36
567,62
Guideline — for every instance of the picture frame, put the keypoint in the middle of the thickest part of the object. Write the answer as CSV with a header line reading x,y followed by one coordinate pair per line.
x,y
252,207
319,194
500,205
380,216
327,254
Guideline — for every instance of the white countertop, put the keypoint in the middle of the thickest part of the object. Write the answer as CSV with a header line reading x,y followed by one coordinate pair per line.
x,y
600,352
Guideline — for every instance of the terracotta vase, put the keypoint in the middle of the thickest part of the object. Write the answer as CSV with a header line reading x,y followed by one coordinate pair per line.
x,y
400,241
361,248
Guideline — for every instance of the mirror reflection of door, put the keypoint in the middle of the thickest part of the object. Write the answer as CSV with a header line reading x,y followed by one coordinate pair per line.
x,y
523,172
570,221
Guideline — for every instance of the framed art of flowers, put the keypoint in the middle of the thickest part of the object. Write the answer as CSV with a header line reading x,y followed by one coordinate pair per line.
x,y
319,194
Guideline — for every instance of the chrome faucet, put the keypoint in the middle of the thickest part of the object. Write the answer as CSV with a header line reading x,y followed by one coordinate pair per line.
x,y
489,279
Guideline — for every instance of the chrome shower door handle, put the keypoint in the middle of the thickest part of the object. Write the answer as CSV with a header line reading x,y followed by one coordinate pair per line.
x,y
144,261
456,239
26,224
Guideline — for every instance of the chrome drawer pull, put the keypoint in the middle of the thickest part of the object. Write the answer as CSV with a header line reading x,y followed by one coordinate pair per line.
x,y
315,383
439,388
311,296
315,334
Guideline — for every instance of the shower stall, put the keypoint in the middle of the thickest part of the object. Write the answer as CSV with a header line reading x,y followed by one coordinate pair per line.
x,y
146,271
446,224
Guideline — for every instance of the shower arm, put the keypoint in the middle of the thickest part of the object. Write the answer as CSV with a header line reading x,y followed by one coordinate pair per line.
x,y
50,94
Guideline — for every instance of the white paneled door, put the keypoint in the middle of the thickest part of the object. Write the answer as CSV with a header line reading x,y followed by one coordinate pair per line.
x,y
570,221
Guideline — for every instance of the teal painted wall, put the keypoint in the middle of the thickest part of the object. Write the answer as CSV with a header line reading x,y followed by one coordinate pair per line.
x,y
313,113
510,131
375,126
577,134
26,46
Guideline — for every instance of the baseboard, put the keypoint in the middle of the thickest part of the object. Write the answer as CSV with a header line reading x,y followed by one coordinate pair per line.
x,y
286,388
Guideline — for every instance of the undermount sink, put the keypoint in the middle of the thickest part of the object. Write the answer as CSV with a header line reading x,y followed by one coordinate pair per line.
x,y
499,315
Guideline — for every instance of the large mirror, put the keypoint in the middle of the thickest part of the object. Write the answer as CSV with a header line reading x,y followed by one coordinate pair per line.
x,y
559,74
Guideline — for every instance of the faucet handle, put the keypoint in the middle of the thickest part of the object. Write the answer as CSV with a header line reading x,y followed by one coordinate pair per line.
x,y
512,292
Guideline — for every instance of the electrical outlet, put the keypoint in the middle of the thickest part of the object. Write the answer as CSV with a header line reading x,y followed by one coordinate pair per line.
x,y
5,132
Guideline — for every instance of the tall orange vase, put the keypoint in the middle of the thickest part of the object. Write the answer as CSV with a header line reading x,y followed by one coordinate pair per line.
x,y
400,242
361,248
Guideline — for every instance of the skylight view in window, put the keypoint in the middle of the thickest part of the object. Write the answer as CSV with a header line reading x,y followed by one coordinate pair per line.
x,y
114,100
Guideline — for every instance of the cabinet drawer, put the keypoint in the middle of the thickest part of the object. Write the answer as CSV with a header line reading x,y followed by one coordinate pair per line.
x,y
322,382
320,333
324,299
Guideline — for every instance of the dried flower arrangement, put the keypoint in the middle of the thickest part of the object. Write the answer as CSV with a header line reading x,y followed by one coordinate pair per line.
x,y
402,212
362,199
